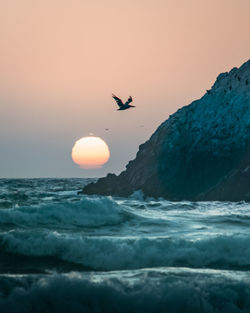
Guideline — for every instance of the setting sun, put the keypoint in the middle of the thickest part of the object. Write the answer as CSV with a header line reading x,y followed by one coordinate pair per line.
x,y
90,152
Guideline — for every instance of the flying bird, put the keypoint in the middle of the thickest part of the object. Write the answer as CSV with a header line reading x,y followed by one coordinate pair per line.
x,y
123,106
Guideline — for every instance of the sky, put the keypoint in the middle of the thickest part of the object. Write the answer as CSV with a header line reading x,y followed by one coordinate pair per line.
x,y
60,61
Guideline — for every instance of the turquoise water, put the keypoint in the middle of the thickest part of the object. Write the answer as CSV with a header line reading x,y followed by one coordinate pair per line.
x,y
64,252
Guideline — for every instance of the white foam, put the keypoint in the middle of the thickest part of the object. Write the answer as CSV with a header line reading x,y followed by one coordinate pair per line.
x,y
143,291
88,212
113,253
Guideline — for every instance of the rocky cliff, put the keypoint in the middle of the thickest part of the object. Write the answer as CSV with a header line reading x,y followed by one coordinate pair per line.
x,y
202,152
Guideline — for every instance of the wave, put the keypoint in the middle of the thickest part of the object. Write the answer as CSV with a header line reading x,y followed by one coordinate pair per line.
x,y
141,291
87,212
116,253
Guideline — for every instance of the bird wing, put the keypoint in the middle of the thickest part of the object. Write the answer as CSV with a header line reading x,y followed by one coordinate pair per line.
x,y
118,100
129,100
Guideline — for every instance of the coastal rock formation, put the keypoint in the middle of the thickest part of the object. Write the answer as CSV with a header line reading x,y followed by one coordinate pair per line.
x,y
202,152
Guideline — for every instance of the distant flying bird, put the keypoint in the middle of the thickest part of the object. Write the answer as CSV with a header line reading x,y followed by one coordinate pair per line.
x,y
123,106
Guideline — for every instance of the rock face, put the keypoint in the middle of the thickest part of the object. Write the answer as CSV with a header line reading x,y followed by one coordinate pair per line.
x,y
202,152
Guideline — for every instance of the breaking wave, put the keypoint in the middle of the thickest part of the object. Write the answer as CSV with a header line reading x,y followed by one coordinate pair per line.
x,y
116,253
141,291
63,252
89,212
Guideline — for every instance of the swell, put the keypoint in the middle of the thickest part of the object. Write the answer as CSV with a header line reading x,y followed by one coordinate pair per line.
x,y
14,263
87,212
141,291
116,253
96,212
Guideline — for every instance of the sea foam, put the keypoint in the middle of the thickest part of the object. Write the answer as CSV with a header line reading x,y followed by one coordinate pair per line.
x,y
90,212
140,291
116,253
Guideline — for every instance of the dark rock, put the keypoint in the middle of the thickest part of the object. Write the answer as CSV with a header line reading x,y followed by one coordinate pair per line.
x,y
202,152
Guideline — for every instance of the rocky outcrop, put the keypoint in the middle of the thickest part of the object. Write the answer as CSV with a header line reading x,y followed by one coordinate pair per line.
x,y
202,152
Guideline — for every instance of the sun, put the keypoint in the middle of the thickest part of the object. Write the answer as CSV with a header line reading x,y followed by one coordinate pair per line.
x,y
90,152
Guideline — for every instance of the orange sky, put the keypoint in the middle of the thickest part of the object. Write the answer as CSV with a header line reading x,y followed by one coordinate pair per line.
x,y
61,60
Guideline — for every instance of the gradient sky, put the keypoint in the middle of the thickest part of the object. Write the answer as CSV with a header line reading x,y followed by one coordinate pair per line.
x,y
60,60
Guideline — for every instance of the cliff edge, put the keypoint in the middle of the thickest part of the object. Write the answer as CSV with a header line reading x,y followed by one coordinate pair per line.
x,y
202,152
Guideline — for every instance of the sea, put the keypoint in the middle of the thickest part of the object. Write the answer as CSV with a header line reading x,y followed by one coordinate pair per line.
x,y
61,251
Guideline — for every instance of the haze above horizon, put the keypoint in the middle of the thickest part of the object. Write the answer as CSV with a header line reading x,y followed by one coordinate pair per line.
x,y
61,61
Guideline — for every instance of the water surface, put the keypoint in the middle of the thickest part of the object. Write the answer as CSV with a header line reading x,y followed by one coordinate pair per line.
x,y
64,252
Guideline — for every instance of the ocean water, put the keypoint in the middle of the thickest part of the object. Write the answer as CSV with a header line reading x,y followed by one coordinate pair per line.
x,y
64,252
